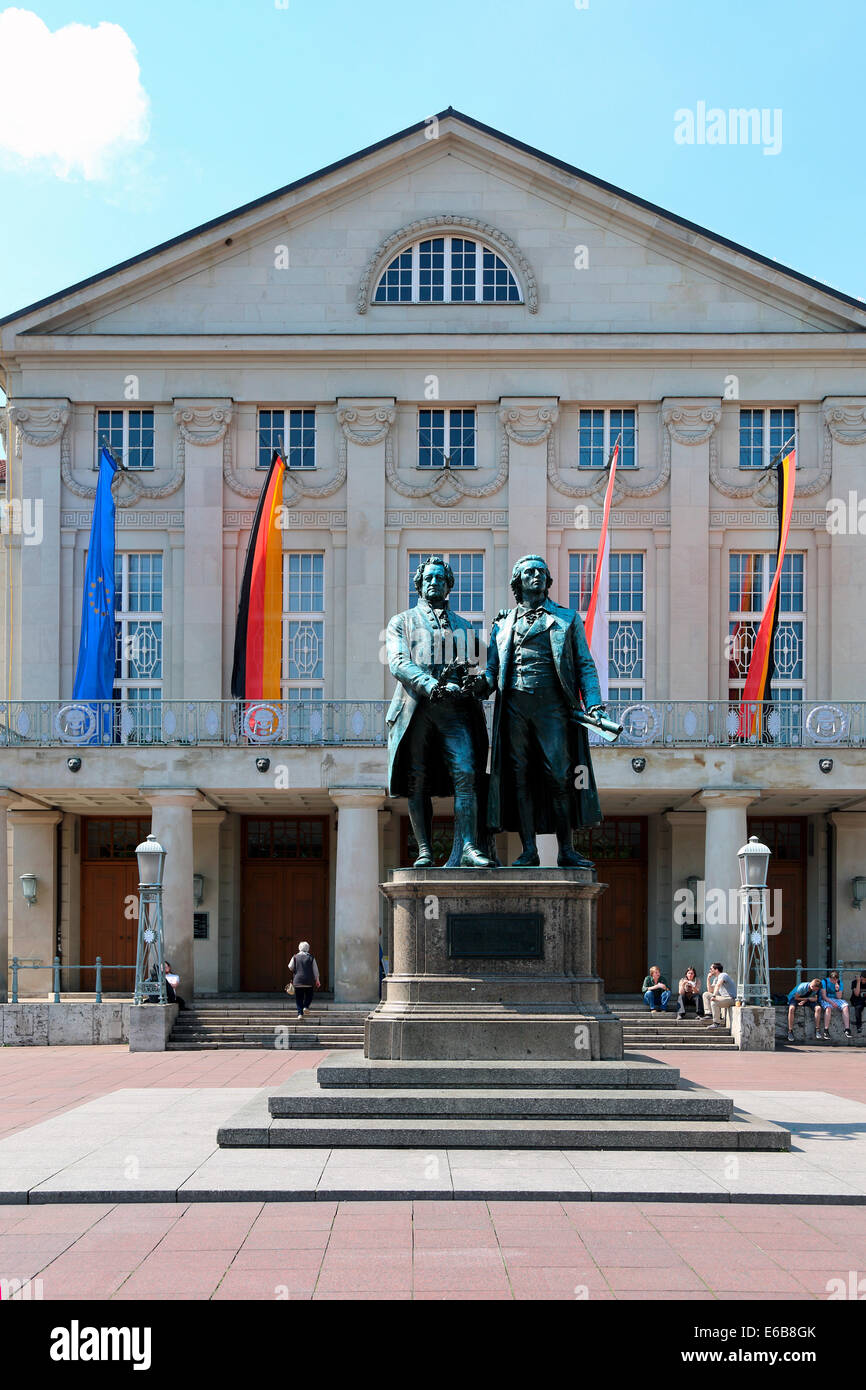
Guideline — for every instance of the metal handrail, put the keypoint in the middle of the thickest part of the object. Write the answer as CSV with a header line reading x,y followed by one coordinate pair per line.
x,y
726,723
18,963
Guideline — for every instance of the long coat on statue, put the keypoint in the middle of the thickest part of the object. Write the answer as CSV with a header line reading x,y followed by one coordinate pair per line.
x,y
577,685
415,661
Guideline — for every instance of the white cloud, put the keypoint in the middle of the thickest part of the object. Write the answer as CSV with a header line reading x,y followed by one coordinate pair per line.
x,y
72,98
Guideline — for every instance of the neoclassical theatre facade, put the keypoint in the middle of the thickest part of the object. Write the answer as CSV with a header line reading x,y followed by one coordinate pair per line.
x,y
446,333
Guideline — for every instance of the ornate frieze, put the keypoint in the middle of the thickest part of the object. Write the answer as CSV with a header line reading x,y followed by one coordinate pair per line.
x,y
448,519
845,419
800,520
304,521
635,521
447,223
126,521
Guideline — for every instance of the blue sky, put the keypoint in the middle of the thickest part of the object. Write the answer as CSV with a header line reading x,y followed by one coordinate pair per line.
x,y
244,96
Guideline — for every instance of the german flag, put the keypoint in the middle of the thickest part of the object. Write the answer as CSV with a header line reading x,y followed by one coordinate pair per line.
x,y
256,669
759,676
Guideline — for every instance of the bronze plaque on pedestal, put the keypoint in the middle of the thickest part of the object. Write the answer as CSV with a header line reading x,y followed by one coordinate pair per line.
x,y
503,935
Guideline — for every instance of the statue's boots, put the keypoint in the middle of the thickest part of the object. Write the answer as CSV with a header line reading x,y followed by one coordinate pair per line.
x,y
425,858
472,858
529,858
568,857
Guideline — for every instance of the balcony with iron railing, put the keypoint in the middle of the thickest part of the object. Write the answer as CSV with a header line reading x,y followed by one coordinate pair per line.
x,y
765,725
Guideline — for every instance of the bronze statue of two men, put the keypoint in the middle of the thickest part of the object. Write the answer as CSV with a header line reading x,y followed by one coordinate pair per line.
x,y
539,666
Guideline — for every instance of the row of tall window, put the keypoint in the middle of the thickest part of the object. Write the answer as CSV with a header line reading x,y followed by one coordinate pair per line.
x,y
446,436
139,671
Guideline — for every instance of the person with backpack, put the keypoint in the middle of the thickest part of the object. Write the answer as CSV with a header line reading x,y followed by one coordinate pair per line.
x,y
305,977
832,998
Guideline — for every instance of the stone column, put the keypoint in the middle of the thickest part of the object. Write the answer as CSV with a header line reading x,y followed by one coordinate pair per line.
x,y
365,426
356,915
687,859
40,438
527,421
850,857
688,437
5,798
845,446
171,823
206,861
34,934
724,836
202,424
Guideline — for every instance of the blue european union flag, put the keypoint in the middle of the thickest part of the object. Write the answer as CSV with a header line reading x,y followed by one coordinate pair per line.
x,y
94,676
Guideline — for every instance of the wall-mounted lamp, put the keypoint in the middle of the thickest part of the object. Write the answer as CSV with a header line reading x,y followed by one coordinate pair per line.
x,y
858,891
197,889
28,888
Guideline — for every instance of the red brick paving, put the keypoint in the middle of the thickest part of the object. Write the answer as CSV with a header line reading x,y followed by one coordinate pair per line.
x,y
423,1250
271,1251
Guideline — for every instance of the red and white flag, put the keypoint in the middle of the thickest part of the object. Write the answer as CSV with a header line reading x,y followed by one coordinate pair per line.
x,y
596,625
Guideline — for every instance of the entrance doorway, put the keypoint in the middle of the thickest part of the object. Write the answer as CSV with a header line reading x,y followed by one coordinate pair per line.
x,y
619,850
284,897
109,879
785,837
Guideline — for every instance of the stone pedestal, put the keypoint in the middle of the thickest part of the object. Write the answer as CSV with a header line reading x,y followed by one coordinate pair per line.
x,y
753,1027
493,964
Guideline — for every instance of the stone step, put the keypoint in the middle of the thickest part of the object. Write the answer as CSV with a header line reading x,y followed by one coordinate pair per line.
x,y
253,1127
299,1100
359,1071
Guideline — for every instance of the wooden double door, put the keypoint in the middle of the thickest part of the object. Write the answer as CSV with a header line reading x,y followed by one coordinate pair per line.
x,y
109,900
284,897
618,849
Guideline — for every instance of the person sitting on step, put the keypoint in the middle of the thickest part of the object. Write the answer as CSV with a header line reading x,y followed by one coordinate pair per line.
x,y
689,994
801,996
655,992
833,999
722,995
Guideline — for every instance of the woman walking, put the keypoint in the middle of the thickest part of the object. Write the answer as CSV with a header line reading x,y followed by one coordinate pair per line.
x,y
305,977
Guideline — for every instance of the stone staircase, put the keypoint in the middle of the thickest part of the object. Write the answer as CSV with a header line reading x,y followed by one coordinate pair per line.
x,y
353,1102
266,1021
643,1031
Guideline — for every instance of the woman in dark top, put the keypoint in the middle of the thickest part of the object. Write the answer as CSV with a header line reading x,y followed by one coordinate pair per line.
x,y
305,977
858,998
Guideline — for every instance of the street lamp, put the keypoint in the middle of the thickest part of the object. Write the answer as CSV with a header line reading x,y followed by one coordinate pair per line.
x,y
753,967
151,868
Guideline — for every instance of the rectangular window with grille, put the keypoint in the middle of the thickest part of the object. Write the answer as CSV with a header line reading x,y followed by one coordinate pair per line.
x,y
446,437
749,578
763,434
626,617
303,626
598,431
293,430
128,435
138,627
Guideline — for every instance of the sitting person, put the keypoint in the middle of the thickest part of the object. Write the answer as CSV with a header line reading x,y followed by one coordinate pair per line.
x,y
801,995
655,992
722,995
689,993
712,976
858,998
833,999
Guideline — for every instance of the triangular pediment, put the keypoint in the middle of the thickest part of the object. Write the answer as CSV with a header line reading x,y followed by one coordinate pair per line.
x,y
304,260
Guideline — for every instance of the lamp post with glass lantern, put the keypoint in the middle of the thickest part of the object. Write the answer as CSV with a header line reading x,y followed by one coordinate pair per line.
x,y
151,867
753,966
